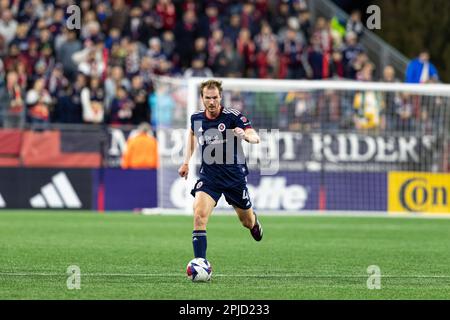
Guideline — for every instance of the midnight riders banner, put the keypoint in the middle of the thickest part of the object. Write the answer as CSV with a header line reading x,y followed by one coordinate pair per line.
x,y
296,151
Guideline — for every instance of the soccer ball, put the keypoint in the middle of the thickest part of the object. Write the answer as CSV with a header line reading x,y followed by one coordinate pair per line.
x,y
199,270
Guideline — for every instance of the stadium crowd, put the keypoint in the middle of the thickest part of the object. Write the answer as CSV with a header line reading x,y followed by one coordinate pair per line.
x,y
103,72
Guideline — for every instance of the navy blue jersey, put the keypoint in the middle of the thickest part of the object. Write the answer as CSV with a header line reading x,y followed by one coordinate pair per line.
x,y
223,160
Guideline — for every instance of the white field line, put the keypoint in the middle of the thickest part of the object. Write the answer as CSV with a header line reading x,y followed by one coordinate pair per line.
x,y
289,275
309,213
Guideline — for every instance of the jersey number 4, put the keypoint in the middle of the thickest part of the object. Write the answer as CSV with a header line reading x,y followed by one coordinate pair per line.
x,y
245,194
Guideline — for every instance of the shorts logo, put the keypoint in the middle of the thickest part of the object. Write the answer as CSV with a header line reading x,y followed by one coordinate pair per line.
x,y
221,127
199,185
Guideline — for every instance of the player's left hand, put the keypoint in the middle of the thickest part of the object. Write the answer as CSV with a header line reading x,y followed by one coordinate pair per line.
x,y
239,132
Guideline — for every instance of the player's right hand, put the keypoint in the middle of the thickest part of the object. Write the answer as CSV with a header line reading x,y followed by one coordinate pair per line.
x,y
183,170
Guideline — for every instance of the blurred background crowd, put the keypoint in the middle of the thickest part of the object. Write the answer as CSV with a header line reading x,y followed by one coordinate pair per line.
x,y
103,73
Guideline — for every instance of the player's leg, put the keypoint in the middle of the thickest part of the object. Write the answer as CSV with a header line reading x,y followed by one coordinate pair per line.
x,y
239,198
250,221
205,200
203,207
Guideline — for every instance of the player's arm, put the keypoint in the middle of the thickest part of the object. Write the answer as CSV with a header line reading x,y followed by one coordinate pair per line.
x,y
245,131
190,148
248,134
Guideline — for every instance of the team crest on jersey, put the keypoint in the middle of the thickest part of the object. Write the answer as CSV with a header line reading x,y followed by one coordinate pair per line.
x,y
221,127
244,119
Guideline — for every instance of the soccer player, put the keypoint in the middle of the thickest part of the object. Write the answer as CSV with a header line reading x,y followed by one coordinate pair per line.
x,y
219,131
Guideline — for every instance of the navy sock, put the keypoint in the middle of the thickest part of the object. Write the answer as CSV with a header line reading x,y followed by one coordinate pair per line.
x,y
199,243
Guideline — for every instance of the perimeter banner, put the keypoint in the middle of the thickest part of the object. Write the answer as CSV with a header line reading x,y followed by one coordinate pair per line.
x,y
295,191
419,192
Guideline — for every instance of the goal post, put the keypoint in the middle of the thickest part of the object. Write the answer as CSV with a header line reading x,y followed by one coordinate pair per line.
x,y
339,145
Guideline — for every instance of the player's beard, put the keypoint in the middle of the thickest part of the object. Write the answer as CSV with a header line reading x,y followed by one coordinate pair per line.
x,y
213,110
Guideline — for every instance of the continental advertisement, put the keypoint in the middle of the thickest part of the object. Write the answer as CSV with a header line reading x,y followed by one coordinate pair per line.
x,y
418,192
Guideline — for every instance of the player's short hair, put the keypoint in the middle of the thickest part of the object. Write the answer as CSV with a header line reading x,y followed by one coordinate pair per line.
x,y
210,84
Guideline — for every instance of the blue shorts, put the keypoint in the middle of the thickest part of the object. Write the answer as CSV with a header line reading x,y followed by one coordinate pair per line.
x,y
237,196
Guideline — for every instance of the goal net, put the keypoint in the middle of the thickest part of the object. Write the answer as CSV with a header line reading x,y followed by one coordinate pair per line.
x,y
325,145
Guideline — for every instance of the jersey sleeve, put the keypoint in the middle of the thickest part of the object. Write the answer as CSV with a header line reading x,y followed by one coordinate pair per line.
x,y
243,122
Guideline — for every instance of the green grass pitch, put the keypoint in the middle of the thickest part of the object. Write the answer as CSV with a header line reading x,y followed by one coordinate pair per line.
x,y
129,256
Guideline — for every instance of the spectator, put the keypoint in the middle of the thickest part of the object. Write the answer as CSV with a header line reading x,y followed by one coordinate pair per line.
x,y
68,107
90,27
355,66
351,48
21,39
135,27
267,52
248,18
292,57
215,45
146,71
354,24
389,74
119,15
247,49
38,102
116,79
92,98
12,105
186,32
162,105
90,60
404,113
122,107
366,72
278,20
420,70
200,49
155,52
56,82
142,150
198,69
304,18
390,98
15,57
132,59
139,95
336,66
65,54
168,45
167,14
231,29
228,62
8,26
369,105
322,30
210,21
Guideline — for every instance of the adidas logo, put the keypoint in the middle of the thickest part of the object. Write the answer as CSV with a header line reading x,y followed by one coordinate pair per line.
x,y
2,202
57,194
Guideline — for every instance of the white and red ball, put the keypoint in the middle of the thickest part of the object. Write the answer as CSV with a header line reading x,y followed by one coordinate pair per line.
x,y
199,270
